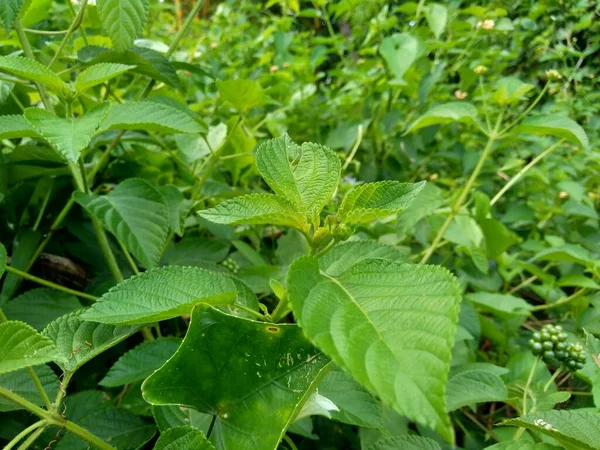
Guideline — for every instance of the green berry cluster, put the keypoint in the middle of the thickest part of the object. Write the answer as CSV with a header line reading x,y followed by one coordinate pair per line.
x,y
550,343
231,265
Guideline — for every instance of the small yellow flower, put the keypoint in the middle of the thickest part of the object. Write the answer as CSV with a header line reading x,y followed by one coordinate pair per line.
x,y
479,70
433,177
274,69
460,95
487,24
553,74
286,65
213,45
563,195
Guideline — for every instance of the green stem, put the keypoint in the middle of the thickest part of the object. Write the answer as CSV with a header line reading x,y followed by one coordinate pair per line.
x,y
249,311
529,108
26,404
32,438
42,209
186,24
49,284
25,432
484,102
105,155
113,266
281,310
552,378
288,441
359,138
45,32
528,384
129,258
40,388
74,25
557,303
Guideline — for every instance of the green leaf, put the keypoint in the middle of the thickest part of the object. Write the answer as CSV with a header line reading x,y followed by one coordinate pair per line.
x,y
39,307
3,259
172,416
196,251
243,95
255,209
447,113
501,304
510,90
98,74
306,175
437,18
522,444
24,246
136,213
371,201
253,376
467,387
394,329
578,429
22,346
149,116
567,252
139,362
577,280
400,51
69,136
77,341
21,383
554,125
123,20
34,71
15,126
161,294
405,443
178,206
181,438
592,345
9,11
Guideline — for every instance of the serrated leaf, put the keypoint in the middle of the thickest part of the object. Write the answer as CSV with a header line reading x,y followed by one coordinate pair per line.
x,y
34,71
390,325
15,126
21,383
578,429
98,74
400,51
9,11
21,346
136,213
39,307
467,387
161,294
183,437
69,136
448,112
243,95
522,444
405,443
255,209
371,201
253,376
139,362
78,341
123,20
149,116
554,125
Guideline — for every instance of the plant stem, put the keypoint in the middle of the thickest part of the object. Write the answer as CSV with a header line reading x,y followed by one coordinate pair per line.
x,y
288,441
113,266
42,209
249,311
186,24
129,258
42,413
529,108
40,388
281,310
524,170
466,191
74,25
45,32
32,438
24,433
359,138
484,102
49,284
560,302
552,378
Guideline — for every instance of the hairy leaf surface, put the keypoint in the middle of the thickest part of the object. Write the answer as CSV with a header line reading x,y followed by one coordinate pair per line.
x,y
98,74
34,71
123,20
22,346
15,126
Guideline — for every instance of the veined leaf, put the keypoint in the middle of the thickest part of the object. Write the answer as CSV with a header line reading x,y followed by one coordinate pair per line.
x,y
255,209
98,74
554,125
149,116
390,325
577,429
405,443
183,437
34,71
15,126
21,346
69,136
243,95
371,201
344,255
174,416
161,294
21,383
123,20
77,341
9,10
136,213
253,376
474,386
140,362
448,112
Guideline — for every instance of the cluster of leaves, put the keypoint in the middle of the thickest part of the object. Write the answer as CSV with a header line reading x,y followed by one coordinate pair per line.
x,y
209,283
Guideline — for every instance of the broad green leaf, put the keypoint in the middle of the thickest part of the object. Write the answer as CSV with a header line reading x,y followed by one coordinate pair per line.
x,y
510,90
501,304
139,362
344,255
255,209
243,95
196,251
98,74
522,444
437,18
577,429
69,136
15,126
371,201
9,11
468,387
21,383
253,376
448,112
3,259
149,116
178,206
592,345
577,280
39,307
34,71
162,294
390,325
136,213
21,346
405,443
400,51
123,20
306,175
77,341
554,125
173,416
182,438
567,252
